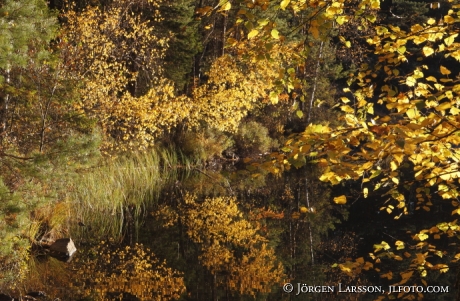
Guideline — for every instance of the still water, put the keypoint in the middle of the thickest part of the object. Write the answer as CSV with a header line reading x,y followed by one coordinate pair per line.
x,y
229,234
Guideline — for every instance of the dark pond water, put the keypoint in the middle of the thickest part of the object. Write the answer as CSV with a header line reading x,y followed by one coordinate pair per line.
x,y
232,235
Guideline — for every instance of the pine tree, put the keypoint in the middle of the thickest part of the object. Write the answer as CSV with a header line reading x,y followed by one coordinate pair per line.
x,y
185,41
26,26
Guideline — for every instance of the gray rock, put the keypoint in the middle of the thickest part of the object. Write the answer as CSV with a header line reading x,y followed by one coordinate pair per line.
x,y
63,247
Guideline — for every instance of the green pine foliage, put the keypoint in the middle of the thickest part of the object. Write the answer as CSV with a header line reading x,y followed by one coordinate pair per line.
x,y
30,186
25,28
403,12
184,43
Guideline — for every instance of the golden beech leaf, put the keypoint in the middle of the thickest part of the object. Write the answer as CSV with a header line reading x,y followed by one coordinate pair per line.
x,y
444,70
253,33
340,200
449,40
341,19
448,19
422,236
427,51
410,81
227,6
399,245
275,33
284,4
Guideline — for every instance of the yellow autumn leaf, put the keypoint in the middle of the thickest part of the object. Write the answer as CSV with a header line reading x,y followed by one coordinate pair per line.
x,y
410,81
448,19
284,4
449,40
399,245
227,6
427,51
253,33
402,49
375,4
422,236
444,70
275,33
340,200
411,113
341,19
444,106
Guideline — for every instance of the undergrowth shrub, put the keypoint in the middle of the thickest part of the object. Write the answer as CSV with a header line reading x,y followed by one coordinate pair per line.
x,y
253,139
205,145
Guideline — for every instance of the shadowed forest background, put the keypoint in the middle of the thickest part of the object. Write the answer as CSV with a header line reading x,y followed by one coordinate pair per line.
x,y
215,150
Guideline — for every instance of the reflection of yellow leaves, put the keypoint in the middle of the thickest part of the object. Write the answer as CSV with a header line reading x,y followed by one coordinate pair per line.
x,y
124,269
388,275
443,268
228,230
383,245
405,276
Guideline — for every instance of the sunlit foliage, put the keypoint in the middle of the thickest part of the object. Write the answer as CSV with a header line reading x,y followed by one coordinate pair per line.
x,y
117,55
232,91
411,142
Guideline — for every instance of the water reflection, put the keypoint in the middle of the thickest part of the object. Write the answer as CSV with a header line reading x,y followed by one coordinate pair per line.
x,y
228,235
